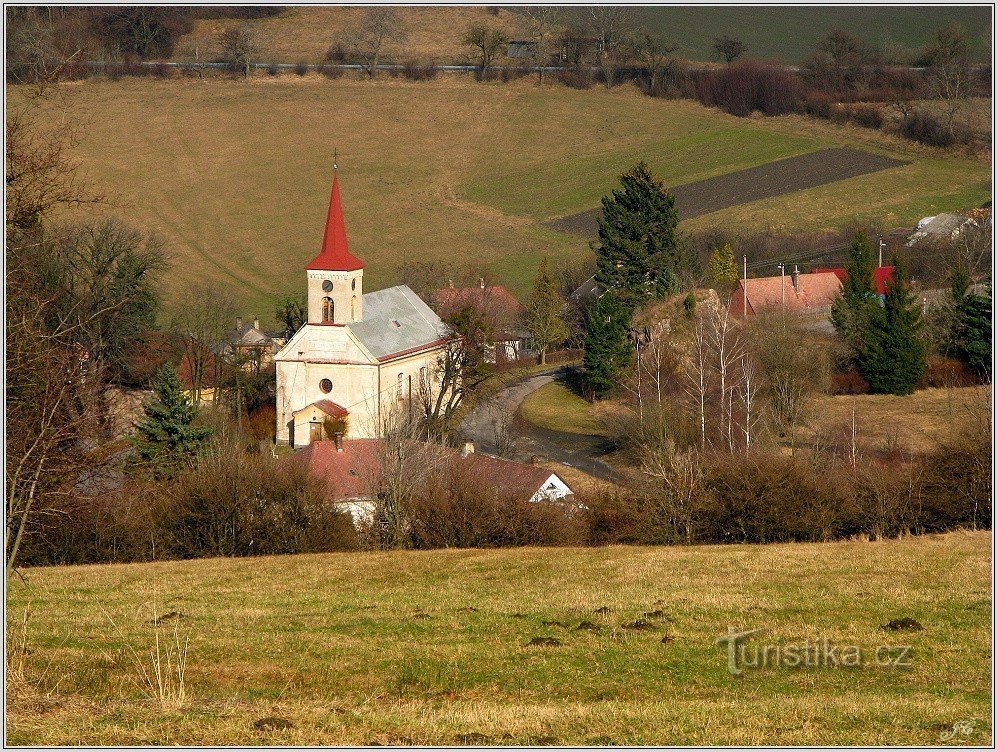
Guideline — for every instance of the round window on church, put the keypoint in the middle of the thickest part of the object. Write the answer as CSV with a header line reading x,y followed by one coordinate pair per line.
x,y
327,285
326,386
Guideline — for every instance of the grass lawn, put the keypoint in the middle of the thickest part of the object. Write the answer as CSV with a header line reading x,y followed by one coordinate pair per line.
x,y
558,407
432,647
235,175
919,422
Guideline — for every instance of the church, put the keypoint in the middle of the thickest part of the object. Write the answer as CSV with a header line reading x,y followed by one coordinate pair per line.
x,y
359,355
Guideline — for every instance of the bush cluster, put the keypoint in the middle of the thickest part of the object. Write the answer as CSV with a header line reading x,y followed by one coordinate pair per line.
x,y
767,498
748,86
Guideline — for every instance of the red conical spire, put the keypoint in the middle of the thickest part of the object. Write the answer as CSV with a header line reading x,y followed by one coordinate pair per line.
x,y
335,256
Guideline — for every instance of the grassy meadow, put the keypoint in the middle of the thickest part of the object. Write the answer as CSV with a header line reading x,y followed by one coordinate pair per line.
x,y
433,647
235,175
780,33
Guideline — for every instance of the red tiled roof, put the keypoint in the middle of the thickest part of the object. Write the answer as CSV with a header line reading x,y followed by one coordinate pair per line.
x,y
880,276
335,254
355,472
767,293
493,300
330,408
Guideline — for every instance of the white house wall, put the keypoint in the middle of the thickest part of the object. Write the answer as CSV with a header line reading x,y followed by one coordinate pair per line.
x,y
552,489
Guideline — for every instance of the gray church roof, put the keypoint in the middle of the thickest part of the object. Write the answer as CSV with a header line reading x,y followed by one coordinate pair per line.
x,y
396,320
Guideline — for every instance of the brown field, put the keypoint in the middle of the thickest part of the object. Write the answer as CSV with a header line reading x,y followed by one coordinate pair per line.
x,y
434,647
917,423
765,181
306,33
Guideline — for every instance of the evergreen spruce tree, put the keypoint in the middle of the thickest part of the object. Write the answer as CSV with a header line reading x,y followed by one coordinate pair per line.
x,y
973,335
167,438
639,254
851,311
892,356
544,313
608,350
722,271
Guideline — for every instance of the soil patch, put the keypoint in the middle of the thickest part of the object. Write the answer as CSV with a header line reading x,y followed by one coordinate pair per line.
x,y
906,624
756,183
544,642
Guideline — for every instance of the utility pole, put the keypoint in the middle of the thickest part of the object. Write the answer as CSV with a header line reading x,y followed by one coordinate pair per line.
x,y
744,285
880,261
783,288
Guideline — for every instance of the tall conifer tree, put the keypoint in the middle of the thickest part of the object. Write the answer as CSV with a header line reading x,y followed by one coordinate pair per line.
x,y
851,311
544,313
608,350
167,437
892,357
639,254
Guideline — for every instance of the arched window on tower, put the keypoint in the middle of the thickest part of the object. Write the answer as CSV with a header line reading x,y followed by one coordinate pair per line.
x,y
327,310
353,308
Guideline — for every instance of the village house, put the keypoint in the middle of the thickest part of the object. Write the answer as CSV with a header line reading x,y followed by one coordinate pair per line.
x,y
503,313
359,354
253,347
807,294
351,469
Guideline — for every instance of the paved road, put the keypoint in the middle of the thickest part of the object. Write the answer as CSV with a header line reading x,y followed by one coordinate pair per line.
x,y
576,450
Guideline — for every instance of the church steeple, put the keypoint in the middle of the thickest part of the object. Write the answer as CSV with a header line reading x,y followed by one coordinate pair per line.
x,y
335,276
335,255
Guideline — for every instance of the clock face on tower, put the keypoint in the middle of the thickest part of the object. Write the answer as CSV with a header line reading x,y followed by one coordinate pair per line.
x,y
327,285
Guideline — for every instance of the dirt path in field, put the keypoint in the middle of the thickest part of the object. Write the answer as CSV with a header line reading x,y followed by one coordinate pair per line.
x,y
575,450
765,181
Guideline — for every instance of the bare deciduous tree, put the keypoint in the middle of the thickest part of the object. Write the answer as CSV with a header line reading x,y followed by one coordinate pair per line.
x,y
543,22
488,41
610,27
204,322
380,26
239,47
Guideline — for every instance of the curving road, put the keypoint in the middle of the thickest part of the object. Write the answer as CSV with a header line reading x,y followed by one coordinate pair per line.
x,y
576,450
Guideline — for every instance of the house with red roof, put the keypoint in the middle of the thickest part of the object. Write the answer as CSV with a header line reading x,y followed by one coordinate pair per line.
x,y
351,469
808,294
496,305
880,276
359,354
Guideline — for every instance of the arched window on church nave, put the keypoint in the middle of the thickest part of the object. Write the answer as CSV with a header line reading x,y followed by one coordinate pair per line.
x,y
399,381
327,309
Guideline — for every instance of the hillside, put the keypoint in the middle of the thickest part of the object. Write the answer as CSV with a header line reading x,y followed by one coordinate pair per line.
x,y
235,174
432,647
783,33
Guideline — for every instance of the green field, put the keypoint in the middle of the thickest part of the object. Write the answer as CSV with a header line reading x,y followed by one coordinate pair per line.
x,y
792,33
432,647
781,33
235,175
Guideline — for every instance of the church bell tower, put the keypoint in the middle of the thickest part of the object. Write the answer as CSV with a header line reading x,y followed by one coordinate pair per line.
x,y
335,276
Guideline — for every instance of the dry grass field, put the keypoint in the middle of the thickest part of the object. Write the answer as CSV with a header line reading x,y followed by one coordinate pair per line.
x,y
434,647
920,422
306,33
235,174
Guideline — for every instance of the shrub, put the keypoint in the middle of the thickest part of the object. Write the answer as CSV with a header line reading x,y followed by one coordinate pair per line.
x,y
330,71
272,69
576,79
161,70
413,71
749,85
926,128
301,68
335,54
849,381
817,104
236,504
867,116
455,510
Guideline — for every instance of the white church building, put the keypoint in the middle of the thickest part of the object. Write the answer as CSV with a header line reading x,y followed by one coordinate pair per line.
x,y
358,355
